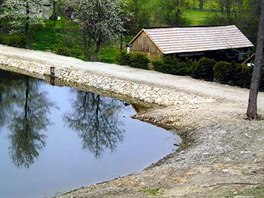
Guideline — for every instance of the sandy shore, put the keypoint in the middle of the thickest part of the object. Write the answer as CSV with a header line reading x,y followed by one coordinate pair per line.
x,y
222,154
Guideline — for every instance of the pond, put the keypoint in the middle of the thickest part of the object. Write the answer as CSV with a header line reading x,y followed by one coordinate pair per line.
x,y
55,139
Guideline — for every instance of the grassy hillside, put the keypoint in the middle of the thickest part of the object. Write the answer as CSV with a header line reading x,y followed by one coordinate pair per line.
x,y
66,39
197,17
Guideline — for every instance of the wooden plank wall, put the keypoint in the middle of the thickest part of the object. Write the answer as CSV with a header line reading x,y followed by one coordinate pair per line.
x,y
143,44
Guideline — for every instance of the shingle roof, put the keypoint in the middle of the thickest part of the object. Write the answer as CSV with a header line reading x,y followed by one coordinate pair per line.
x,y
196,39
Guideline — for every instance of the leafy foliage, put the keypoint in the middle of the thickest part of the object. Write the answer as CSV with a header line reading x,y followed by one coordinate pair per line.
x,y
139,61
100,21
16,40
222,72
134,60
204,69
171,65
17,15
124,58
242,75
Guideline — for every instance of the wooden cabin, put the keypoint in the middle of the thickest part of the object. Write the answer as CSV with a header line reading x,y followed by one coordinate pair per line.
x,y
189,41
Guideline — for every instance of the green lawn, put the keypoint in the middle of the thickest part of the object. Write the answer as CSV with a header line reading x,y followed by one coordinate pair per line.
x,y
196,17
208,5
66,39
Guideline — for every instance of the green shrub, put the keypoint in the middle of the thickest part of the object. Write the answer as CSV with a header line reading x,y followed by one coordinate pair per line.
x,y
15,40
242,75
171,65
109,54
204,69
174,65
124,58
223,72
63,51
158,66
191,67
139,61
76,52
36,27
133,60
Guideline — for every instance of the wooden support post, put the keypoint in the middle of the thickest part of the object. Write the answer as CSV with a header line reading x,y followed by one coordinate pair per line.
x,y
52,75
52,71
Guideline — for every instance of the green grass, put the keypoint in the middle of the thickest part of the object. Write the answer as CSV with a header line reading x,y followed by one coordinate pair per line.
x,y
66,39
208,5
46,39
197,17
58,39
109,54
62,23
153,192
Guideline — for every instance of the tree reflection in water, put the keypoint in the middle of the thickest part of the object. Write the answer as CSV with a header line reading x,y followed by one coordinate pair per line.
x,y
7,87
29,118
96,119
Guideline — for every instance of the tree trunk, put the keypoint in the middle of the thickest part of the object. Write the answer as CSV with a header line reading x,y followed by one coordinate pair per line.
x,y
121,41
87,46
96,51
228,11
54,15
27,21
201,4
257,71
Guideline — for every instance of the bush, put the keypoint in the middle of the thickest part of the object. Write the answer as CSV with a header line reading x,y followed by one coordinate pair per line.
x,y
63,51
36,27
133,60
124,58
204,69
171,65
158,66
139,61
233,74
109,54
223,72
15,40
242,75
191,67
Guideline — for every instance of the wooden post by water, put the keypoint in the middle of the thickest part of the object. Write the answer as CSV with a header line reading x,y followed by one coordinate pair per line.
x,y
52,75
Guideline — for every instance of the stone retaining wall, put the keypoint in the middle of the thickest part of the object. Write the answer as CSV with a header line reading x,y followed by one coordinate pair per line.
x,y
86,80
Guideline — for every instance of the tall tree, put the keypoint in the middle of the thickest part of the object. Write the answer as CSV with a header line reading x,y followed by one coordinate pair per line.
x,y
100,21
22,13
140,12
258,67
247,18
172,12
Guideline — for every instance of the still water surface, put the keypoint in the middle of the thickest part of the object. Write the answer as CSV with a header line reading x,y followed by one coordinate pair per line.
x,y
55,139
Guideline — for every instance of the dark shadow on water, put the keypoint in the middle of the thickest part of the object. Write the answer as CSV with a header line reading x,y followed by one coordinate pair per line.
x,y
96,120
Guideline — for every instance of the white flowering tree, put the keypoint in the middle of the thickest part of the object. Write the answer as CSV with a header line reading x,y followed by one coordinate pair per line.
x,y
19,14
100,21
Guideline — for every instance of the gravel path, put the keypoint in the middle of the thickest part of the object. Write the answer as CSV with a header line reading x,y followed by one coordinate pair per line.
x,y
222,154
